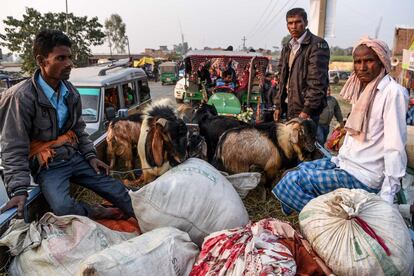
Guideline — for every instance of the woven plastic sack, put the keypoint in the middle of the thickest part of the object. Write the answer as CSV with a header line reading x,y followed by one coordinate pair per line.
x,y
358,233
163,251
193,197
56,245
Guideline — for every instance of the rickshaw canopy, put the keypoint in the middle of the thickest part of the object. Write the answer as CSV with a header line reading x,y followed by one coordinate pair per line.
x,y
143,61
218,58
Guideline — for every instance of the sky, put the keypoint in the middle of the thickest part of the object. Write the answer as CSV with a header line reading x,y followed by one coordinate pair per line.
x,y
219,23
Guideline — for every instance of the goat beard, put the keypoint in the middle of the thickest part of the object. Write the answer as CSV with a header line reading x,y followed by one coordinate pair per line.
x,y
173,158
121,148
309,147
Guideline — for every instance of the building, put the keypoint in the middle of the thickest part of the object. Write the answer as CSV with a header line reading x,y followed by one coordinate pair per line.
x,y
93,59
403,38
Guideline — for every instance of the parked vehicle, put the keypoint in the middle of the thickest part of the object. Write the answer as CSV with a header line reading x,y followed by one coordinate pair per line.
x,y
179,90
168,73
344,75
334,77
249,69
147,64
7,81
109,91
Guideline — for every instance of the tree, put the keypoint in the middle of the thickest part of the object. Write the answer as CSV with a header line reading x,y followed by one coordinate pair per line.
x,y
173,56
19,35
285,40
115,33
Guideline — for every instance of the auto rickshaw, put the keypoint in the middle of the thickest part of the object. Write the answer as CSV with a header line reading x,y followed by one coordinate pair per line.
x,y
168,73
204,70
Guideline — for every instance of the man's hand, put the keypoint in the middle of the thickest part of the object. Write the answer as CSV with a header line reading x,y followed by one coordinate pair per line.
x,y
304,116
97,165
341,125
276,115
16,201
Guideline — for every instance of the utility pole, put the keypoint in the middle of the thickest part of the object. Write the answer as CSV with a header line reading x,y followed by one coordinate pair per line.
x,y
378,28
110,45
67,25
244,43
129,52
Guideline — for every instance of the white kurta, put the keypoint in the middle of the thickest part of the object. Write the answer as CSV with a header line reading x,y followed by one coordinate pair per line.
x,y
381,160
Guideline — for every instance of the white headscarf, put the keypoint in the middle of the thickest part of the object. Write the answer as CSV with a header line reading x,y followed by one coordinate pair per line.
x,y
357,123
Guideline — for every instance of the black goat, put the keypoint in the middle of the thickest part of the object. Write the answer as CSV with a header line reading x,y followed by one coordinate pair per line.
x,y
212,126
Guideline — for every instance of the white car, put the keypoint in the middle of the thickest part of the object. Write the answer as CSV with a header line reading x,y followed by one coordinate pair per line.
x,y
179,90
333,76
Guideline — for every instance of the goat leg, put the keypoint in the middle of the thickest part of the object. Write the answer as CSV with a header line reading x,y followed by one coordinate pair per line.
x,y
112,162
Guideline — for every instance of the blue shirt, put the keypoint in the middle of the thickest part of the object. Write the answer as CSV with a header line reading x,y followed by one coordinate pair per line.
x,y
59,104
221,82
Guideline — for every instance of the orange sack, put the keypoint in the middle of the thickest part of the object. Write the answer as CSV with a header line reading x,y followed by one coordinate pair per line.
x,y
123,225
336,139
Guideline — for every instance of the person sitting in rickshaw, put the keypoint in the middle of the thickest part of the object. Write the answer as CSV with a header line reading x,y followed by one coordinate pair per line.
x,y
226,80
204,74
231,71
243,83
213,75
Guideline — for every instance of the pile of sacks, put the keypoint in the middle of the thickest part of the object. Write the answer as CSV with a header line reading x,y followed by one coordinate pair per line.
x,y
175,213
75,245
194,207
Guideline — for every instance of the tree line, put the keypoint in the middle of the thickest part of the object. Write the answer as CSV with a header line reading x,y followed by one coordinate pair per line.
x,y
84,32
335,50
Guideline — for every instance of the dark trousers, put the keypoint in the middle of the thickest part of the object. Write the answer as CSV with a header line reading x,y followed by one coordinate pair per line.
x,y
54,183
322,134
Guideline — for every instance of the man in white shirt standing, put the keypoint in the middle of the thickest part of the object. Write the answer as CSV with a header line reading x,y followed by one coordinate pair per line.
x,y
373,155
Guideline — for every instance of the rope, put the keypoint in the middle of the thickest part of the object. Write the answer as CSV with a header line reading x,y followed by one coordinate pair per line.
x,y
130,171
364,225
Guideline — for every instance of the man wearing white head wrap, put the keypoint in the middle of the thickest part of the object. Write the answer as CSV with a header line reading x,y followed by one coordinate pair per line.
x,y
373,155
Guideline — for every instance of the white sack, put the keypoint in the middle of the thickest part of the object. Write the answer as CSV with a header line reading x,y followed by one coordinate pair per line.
x,y
193,197
244,182
329,223
56,245
163,251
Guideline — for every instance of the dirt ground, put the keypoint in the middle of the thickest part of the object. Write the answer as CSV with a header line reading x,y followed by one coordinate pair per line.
x,y
345,106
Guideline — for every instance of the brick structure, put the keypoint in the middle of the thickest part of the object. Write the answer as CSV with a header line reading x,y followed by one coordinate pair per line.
x,y
403,38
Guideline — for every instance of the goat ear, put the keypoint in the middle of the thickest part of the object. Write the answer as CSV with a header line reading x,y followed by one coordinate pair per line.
x,y
294,136
161,122
157,146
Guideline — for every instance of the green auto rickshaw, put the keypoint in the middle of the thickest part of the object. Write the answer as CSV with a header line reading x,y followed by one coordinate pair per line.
x,y
228,80
168,72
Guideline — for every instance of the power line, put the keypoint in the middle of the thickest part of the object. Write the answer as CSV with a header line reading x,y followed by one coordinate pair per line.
x,y
272,19
276,17
266,18
261,17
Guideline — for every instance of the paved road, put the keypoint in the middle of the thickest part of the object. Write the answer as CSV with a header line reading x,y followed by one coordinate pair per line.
x,y
159,91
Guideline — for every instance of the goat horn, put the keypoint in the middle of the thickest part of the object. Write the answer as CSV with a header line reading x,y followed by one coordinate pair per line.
x,y
295,120
161,121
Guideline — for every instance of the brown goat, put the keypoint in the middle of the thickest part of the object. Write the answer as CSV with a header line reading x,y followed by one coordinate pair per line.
x,y
121,138
269,147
